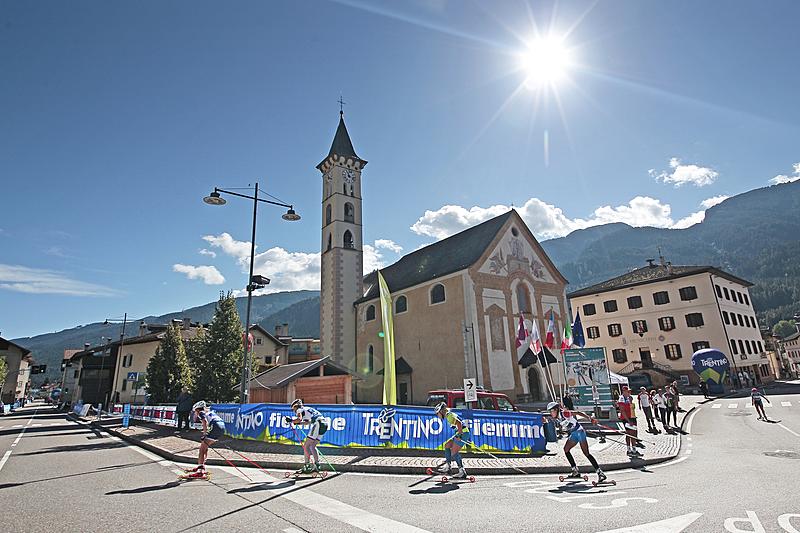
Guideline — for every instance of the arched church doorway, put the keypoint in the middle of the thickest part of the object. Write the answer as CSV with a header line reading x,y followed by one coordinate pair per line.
x,y
534,384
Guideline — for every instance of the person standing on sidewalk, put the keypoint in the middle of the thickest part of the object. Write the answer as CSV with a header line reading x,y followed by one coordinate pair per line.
x,y
644,404
184,408
627,412
704,389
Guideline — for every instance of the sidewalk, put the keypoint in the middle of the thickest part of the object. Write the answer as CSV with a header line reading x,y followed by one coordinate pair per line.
x,y
165,442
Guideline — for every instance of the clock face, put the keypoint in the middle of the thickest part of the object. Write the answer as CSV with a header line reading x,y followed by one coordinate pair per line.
x,y
348,175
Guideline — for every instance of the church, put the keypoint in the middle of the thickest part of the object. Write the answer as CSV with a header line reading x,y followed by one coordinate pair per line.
x,y
456,303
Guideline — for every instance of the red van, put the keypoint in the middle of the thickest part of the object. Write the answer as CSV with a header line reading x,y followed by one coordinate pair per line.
x,y
454,398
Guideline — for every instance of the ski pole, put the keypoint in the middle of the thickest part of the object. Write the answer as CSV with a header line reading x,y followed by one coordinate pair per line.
x,y
230,463
618,432
493,456
243,456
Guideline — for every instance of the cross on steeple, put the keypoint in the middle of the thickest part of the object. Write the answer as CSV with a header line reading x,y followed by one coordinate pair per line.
x,y
341,105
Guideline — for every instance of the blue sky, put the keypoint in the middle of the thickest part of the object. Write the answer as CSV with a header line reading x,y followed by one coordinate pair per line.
x,y
117,118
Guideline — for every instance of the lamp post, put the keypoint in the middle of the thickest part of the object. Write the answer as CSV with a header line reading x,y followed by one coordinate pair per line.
x,y
119,351
253,282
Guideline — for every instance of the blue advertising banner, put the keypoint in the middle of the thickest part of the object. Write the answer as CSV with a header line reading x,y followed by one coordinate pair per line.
x,y
126,415
587,377
379,426
713,367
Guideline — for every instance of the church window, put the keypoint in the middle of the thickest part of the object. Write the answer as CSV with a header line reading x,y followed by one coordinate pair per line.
x,y
523,298
370,359
348,239
401,304
344,188
348,212
328,213
437,294
514,232
371,313
330,241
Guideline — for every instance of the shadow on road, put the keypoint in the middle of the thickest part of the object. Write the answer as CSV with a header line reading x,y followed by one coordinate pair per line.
x,y
140,490
264,486
438,488
29,430
77,448
100,470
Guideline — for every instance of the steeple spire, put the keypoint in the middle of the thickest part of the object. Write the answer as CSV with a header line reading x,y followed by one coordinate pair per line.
x,y
342,145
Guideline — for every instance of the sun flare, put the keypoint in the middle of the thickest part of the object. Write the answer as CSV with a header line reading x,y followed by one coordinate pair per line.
x,y
545,62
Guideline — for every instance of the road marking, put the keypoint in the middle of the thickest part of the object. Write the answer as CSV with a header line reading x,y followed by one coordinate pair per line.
x,y
20,425
786,404
789,430
716,406
691,419
37,425
4,459
733,405
688,452
670,525
292,530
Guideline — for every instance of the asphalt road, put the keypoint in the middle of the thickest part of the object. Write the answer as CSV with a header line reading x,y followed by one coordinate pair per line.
x,y
63,475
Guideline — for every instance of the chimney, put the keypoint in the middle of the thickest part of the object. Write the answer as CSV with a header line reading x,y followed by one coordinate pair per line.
x,y
187,323
278,330
650,262
142,328
285,329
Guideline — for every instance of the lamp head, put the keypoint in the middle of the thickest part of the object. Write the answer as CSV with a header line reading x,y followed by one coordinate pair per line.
x,y
290,215
214,199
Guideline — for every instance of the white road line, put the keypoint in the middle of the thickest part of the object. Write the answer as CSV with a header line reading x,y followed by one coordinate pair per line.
x,y
688,452
37,425
4,459
732,405
716,406
786,404
691,419
20,425
789,430
292,530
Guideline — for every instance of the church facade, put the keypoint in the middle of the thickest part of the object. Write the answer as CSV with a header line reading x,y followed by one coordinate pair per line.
x,y
456,303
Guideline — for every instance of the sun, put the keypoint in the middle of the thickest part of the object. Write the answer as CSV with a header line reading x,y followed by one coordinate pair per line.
x,y
545,62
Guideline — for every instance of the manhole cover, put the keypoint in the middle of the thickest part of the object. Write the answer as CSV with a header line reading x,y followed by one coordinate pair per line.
x,y
783,454
739,413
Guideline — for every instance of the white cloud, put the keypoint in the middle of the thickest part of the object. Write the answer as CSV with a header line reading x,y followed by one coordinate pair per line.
x,y
681,174
714,200
209,253
209,274
43,281
545,220
388,245
783,178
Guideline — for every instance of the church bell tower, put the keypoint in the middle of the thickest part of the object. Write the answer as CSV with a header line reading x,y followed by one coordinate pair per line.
x,y
342,248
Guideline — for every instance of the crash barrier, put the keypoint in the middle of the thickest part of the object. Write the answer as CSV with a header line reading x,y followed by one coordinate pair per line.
x,y
159,414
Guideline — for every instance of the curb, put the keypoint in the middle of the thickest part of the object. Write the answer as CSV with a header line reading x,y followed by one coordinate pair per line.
x,y
374,469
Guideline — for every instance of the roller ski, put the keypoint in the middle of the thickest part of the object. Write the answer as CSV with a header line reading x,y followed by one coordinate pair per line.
x,y
602,479
308,470
460,476
575,474
195,473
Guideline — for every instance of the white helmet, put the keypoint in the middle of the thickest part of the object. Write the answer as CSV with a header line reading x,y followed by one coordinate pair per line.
x,y
199,405
553,405
298,403
439,408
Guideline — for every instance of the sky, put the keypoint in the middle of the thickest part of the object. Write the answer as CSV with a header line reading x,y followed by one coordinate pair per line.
x,y
119,117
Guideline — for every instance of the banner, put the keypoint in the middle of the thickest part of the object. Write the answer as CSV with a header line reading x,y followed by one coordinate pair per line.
x,y
587,377
389,387
713,367
374,426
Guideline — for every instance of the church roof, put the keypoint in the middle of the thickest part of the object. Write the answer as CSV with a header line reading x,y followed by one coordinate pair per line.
x,y
342,145
438,259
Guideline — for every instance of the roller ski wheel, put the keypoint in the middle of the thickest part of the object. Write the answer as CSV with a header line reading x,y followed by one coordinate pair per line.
x,y
429,471
565,478
190,476
606,482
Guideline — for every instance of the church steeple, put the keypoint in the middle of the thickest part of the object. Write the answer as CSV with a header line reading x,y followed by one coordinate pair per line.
x,y
342,146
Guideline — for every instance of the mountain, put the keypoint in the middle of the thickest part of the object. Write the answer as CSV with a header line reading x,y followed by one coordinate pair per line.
x,y
48,349
753,235
302,317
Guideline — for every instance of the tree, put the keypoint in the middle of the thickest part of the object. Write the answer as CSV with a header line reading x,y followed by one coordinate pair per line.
x,y
3,372
217,366
784,328
168,371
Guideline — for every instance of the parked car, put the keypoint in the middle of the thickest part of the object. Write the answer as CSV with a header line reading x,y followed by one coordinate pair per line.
x,y
454,398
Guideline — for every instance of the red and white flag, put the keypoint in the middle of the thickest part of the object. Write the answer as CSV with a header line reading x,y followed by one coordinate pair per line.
x,y
550,336
536,339
522,339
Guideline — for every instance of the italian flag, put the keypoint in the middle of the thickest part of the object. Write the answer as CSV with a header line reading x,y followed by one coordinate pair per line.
x,y
566,341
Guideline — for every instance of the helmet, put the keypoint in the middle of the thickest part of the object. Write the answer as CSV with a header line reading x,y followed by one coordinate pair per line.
x,y
754,389
439,408
199,405
298,403
553,405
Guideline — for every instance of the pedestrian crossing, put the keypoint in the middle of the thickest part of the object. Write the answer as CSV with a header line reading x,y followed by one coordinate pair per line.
x,y
747,404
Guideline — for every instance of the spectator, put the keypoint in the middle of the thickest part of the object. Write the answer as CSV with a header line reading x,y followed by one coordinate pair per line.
x,y
183,408
704,389
739,379
666,406
677,396
568,403
746,378
672,405
644,405
627,412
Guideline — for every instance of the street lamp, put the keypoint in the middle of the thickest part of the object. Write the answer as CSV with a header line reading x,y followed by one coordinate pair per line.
x,y
253,282
119,351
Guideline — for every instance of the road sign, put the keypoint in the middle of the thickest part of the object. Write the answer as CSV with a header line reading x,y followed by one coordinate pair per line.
x,y
470,390
133,376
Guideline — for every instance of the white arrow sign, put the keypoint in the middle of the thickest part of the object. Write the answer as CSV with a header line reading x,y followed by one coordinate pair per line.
x,y
670,525
470,390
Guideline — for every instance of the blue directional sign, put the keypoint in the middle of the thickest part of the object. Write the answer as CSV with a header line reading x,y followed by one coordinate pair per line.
x,y
133,376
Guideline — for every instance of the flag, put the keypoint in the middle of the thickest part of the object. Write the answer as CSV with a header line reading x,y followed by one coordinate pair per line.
x,y
389,384
577,332
525,355
566,340
546,357
550,336
536,339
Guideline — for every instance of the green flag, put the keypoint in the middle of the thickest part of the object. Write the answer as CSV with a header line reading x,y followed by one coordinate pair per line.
x,y
389,386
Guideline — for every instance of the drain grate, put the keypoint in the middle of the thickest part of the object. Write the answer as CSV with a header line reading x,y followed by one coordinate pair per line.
x,y
783,454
